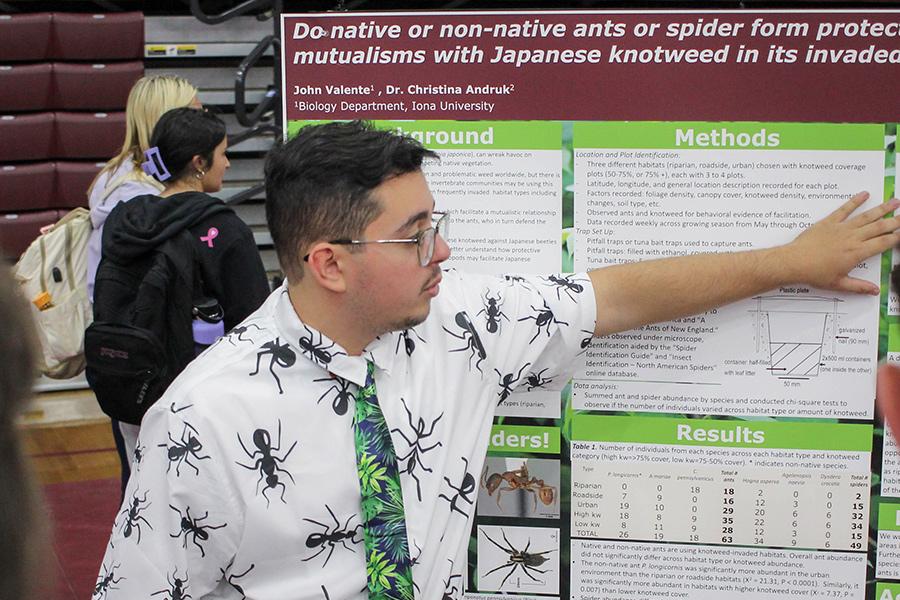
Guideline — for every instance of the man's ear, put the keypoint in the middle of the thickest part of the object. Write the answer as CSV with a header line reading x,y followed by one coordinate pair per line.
x,y
324,265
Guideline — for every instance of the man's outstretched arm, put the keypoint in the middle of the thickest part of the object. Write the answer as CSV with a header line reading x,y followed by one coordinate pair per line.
x,y
635,294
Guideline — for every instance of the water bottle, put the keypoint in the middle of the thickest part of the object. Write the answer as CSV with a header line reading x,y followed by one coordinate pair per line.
x,y
208,324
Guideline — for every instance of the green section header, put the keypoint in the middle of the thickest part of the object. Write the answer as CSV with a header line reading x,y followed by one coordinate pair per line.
x,y
894,337
688,135
294,126
449,135
888,516
887,591
723,433
522,438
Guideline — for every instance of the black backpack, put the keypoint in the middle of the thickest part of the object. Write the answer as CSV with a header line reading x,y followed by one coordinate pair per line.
x,y
141,337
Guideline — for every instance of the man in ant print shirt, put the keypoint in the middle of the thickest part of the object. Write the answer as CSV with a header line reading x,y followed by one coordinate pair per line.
x,y
248,484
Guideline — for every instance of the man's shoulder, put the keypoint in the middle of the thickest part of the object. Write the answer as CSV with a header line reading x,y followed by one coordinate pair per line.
x,y
462,283
463,296
461,288
496,300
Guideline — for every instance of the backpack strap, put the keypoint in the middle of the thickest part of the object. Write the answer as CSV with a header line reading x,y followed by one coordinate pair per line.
x,y
70,271
182,251
67,222
43,264
198,292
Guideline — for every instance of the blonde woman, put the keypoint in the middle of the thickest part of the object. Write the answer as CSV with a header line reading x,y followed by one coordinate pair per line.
x,y
121,179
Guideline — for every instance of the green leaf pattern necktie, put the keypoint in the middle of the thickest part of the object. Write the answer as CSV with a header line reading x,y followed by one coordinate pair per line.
x,y
388,565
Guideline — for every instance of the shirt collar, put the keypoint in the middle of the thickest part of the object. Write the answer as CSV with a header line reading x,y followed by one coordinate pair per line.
x,y
318,348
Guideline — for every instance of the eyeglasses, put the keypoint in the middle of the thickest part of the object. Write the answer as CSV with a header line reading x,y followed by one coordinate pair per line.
x,y
424,240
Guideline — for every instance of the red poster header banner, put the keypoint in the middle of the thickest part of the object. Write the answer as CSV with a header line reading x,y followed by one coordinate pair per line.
x,y
822,66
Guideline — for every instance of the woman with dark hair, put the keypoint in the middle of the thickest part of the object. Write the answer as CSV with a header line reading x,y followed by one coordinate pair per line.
x,y
187,156
122,179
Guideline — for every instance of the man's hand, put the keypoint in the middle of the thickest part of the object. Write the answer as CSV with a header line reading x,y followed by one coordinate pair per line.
x,y
825,253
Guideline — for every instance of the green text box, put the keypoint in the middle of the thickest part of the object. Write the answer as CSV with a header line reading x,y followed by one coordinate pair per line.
x,y
448,135
659,135
888,516
723,433
523,438
887,591
894,337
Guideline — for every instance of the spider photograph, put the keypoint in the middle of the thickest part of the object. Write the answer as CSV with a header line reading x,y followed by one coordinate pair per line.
x,y
518,559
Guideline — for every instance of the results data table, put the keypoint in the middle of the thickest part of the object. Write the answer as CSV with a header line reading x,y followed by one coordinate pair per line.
x,y
713,505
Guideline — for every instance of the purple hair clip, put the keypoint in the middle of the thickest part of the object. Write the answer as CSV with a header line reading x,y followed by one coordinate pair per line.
x,y
154,165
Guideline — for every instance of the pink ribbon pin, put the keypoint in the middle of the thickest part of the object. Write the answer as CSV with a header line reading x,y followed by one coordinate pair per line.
x,y
210,236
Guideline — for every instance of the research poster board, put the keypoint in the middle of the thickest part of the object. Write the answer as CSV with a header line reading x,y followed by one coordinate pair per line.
x,y
732,454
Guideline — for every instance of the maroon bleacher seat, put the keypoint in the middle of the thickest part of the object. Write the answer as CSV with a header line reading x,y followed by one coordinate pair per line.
x,y
27,186
72,182
26,136
25,37
117,36
94,86
88,135
25,87
17,230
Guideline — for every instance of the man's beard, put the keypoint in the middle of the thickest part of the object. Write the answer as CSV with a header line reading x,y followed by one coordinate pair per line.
x,y
403,323
409,322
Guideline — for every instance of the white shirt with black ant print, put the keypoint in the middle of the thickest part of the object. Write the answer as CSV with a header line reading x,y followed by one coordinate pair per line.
x,y
245,481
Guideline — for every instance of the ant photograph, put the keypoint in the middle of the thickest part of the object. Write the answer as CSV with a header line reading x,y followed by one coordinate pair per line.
x,y
518,559
519,487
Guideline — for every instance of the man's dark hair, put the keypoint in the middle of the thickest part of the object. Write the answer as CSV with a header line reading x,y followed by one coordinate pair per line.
x,y
182,133
319,184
